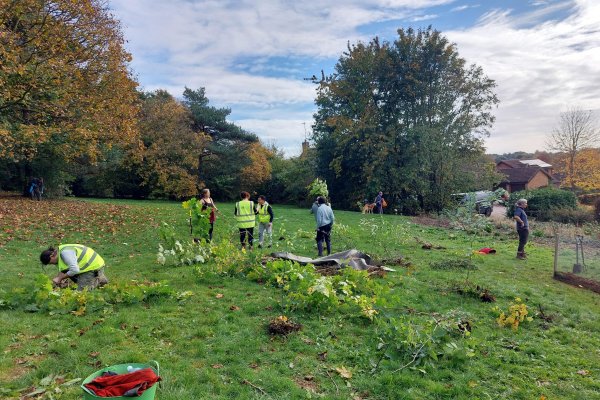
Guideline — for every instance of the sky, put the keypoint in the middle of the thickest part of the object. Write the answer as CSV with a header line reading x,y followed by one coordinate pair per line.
x,y
253,56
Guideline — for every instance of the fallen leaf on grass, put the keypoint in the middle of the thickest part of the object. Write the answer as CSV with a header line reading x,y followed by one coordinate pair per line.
x,y
344,373
583,372
253,366
94,354
234,308
472,384
217,366
322,356
35,393
219,295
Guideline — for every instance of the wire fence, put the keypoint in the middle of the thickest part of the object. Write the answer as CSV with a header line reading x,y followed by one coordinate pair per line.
x,y
577,257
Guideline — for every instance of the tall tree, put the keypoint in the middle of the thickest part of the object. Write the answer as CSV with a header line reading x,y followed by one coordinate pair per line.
x,y
229,151
65,87
587,170
577,129
402,117
167,155
65,77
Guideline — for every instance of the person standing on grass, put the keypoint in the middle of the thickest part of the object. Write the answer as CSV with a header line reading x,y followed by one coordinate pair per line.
x,y
265,221
520,218
208,203
77,262
325,219
379,203
244,215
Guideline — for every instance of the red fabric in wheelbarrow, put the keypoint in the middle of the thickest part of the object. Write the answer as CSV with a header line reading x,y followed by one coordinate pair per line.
x,y
118,385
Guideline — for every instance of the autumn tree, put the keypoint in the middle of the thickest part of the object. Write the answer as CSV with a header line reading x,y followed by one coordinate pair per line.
x,y
65,88
166,156
586,172
576,130
402,117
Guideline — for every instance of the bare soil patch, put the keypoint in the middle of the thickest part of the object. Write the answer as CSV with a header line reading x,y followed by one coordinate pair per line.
x,y
578,281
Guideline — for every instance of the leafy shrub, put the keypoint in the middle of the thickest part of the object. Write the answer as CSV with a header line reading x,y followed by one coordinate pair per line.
x,y
179,251
415,342
517,314
303,288
318,187
44,297
577,216
541,203
199,220
589,198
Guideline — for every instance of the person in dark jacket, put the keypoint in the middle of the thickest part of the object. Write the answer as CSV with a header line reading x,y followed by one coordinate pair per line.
x,y
522,225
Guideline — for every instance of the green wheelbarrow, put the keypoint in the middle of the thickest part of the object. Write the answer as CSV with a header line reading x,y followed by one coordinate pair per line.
x,y
122,369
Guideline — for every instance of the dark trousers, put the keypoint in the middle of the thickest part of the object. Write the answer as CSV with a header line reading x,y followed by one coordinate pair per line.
x,y
324,235
523,236
246,232
210,231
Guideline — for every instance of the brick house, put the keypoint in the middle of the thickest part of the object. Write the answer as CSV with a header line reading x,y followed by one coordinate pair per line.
x,y
525,174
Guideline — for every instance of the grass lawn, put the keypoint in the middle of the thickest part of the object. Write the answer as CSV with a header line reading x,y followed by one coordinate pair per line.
x,y
214,345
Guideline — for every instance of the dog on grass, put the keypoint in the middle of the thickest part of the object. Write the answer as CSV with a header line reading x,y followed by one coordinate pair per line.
x,y
368,208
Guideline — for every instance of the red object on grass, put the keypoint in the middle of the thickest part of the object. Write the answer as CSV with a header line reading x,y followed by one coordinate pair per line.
x,y
487,250
118,385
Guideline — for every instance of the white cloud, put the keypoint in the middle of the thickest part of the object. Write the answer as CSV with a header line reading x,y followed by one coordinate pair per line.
x,y
464,7
424,17
229,47
540,70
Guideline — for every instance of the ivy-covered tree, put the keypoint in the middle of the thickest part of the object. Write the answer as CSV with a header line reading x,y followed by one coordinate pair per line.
x,y
401,117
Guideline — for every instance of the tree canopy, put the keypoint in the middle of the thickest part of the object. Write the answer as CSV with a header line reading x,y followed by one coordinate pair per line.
x,y
65,85
405,117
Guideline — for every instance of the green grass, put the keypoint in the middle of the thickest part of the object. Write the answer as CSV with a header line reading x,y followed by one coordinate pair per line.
x,y
206,350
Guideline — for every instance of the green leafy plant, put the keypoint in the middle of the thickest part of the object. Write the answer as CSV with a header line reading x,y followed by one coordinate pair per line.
x,y
176,251
419,342
303,288
44,297
199,220
515,316
318,187
541,203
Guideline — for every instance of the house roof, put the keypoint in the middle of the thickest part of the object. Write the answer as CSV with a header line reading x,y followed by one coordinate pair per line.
x,y
536,162
514,163
523,174
511,163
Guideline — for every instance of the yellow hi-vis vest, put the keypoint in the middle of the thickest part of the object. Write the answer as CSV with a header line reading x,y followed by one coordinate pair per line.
x,y
245,214
87,259
263,214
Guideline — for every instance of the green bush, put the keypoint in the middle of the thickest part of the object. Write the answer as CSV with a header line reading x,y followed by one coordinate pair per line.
x,y
542,203
577,216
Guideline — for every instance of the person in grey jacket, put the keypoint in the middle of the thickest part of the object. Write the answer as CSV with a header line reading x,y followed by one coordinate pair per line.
x,y
325,219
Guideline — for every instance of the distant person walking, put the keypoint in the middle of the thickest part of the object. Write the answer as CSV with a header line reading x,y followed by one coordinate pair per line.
x,y
208,203
36,189
265,221
379,203
244,215
77,262
325,219
522,225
